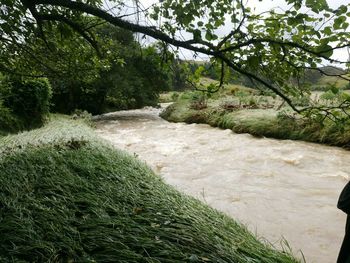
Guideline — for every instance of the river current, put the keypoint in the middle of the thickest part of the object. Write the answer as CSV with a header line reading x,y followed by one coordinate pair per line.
x,y
281,189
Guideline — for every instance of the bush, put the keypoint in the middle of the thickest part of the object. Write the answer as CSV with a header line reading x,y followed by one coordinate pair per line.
x,y
229,105
347,86
8,122
28,99
83,115
174,96
198,101
134,84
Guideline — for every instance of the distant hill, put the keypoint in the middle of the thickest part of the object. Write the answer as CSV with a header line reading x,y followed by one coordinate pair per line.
x,y
319,79
314,76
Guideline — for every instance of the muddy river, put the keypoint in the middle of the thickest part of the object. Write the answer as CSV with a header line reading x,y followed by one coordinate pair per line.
x,y
282,190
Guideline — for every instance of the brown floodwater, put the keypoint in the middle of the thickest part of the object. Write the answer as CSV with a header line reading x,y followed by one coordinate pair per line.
x,y
281,189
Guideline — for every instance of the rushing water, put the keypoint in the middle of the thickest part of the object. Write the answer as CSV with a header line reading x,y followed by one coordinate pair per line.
x,y
279,189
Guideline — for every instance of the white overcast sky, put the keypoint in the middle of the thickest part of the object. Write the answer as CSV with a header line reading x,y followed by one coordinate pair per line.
x,y
259,7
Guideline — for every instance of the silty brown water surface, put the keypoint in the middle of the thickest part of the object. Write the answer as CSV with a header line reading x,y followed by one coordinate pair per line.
x,y
280,189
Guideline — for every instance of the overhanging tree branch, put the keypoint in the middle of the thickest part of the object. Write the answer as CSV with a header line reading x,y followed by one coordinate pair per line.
x,y
149,31
286,43
75,26
195,45
260,80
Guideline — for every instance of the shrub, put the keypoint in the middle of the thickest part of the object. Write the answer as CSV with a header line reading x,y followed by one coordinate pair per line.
x,y
187,95
27,99
229,105
8,122
198,101
174,96
232,90
347,86
82,115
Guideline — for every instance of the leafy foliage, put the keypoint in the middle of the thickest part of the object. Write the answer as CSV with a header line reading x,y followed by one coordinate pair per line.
x,y
8,122
269,48
139,81
27,99
121,75
333,105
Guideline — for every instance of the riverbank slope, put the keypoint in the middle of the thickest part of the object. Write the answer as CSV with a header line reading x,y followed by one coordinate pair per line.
x,y
69,196
258,122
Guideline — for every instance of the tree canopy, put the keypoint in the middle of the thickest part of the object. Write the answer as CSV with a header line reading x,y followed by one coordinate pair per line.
x,y
269,47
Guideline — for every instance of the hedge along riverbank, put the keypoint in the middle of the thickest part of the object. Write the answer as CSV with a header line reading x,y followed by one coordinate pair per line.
x,y
24,103
67,196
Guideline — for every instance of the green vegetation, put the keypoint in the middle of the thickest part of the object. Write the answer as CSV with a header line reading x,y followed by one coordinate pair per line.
x,y
168,96
124,75
66,196
319,81
24,103
314,79
8,122
79,45
69,197
325,81
245,111
118,74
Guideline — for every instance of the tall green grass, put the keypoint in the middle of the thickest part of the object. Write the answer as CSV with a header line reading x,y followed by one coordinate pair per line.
x,y
66,196
259,122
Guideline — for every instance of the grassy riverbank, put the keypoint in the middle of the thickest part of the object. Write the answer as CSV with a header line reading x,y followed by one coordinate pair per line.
x,y
254,117
67,196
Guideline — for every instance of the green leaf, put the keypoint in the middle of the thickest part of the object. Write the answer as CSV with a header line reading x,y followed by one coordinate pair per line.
x,y
253,61
325,50
208,36
338,22
218,23
317,5
297,6
327,30
342,10
197,35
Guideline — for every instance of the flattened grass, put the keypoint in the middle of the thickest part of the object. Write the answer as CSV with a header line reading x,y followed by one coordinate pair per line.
x,y
260,123
68,197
